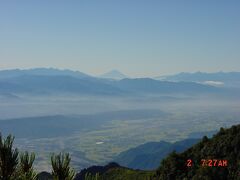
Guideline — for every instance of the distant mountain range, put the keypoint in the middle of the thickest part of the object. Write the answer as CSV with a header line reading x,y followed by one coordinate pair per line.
x,y
228,79
55,84
41,72
43,81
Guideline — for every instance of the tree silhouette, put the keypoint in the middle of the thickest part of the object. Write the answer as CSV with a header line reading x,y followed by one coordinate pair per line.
x,y
8,158
26,166
61,169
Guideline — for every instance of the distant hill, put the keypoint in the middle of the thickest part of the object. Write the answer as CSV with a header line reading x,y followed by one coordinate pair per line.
x,y
228,79
149,155
114,74
112,172
96,169
60,125
224,146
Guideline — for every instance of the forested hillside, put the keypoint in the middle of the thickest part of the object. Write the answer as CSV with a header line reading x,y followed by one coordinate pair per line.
x,y
215,158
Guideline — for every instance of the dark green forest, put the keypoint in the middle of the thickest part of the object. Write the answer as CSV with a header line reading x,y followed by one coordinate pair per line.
x,y
211,158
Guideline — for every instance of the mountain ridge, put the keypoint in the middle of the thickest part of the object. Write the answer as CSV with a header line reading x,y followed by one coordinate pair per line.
x,y
42,71
51,82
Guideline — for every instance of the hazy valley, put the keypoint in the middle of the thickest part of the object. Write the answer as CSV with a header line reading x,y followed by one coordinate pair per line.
x,y
95,119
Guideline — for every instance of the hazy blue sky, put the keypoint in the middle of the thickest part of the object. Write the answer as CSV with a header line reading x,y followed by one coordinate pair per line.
x,y
138,37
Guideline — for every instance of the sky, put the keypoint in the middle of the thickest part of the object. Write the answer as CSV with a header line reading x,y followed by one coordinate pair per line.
x,y
138,37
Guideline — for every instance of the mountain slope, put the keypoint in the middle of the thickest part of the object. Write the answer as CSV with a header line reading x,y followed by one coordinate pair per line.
x,y
148,156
